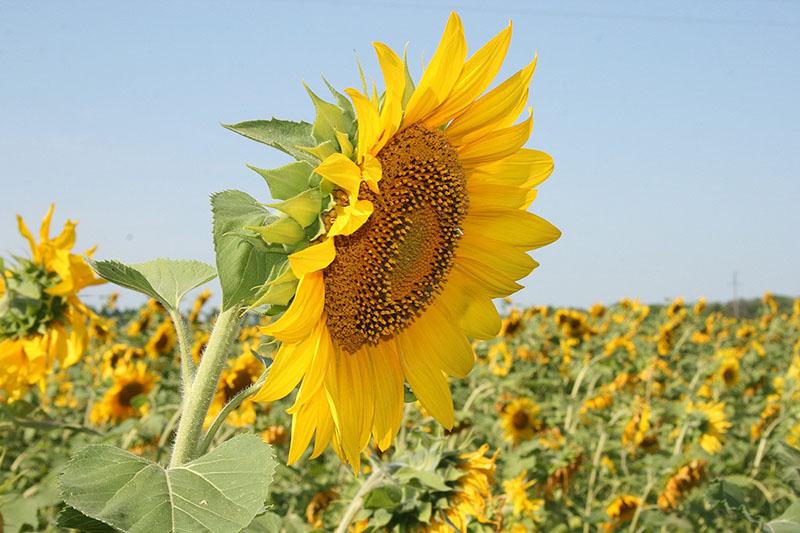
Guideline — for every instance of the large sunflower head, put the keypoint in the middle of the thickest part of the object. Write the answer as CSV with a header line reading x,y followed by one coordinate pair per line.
x,y
403,217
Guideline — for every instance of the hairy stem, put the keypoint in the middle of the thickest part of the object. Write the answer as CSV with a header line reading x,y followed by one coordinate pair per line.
x,y
198,396
185,346
358,501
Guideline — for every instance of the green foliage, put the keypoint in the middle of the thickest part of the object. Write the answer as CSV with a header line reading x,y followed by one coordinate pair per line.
x,y
218,492
242,265
166,280
285,135
26,307
287,181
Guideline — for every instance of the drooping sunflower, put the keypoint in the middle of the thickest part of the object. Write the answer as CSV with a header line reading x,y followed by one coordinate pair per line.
x,y
426,222
621,510
43,319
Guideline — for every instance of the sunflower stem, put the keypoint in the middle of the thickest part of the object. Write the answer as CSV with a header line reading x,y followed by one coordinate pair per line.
x,y
198,395
358,501
187,364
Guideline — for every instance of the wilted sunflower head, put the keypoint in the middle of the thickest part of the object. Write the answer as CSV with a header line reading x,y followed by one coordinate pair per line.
x,y
403,217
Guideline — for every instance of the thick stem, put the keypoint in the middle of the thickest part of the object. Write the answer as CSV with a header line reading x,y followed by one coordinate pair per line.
x,y
198,396
185,346
355,506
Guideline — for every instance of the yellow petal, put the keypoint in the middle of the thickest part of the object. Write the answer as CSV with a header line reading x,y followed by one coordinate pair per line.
x,y
496,145
371,172
44,229
350,218
288,367
445,345
369,123
427,380
394,77
388,376
496,284
506,258
304,313
350,384
316,371
340,171
312,259
498,108
512,226
441,74
26,233
314,417
525,169
478,73
465,299
485,196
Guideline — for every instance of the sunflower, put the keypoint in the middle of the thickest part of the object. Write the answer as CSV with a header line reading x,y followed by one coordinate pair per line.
x,y
512,323
199,303
621,510
43,319
130,381
729,371
678,486
163,340
473,493
427,223
239,374
713,424
519,420
516,490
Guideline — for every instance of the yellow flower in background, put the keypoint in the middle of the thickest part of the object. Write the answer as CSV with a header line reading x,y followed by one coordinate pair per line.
x,y
163,340
401,276
621,510
199,303
319,502
500,359
729,371
27,355
199,345
129,382
275,435
714,423
636,430
620,343
678,486
700,306
520,420
473,493
239,374
511,324
516,490
119,355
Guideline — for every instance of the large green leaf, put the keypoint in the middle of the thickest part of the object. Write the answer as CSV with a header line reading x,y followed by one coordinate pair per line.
x,y
218,492
285,135
166,280
788,522
242,266
73,519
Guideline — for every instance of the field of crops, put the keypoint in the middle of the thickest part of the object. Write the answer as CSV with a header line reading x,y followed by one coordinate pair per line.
x,y
627,417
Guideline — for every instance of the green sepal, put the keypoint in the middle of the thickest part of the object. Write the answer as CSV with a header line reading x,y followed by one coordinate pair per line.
x,y
277,294
285,135
304,208
284,230
330,117
288,180
323,150
347,107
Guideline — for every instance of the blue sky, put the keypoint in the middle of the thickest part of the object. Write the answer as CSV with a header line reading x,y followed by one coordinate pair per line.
x,y
675,126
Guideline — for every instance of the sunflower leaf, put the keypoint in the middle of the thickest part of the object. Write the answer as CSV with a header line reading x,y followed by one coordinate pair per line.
x,y
221,491
166,280
242,266
285,135
73,519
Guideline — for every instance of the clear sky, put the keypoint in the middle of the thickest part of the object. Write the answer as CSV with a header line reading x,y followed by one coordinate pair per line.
x,y
675,126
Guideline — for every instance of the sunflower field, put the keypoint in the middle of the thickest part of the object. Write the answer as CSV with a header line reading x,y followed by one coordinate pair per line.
x,y
360,366
626,417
